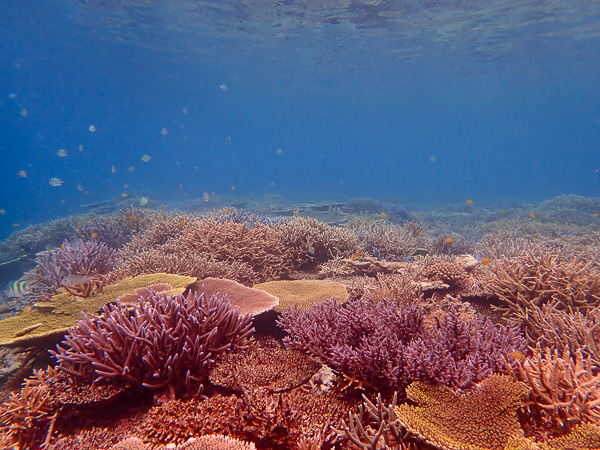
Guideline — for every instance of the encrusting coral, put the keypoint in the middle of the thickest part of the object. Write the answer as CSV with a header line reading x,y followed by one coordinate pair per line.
x,y
131,346
484,418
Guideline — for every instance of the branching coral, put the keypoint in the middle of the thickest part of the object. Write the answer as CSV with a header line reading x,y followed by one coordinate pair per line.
x,y
551,277
311,242
564,390
387,348
90,262
163,342
482,419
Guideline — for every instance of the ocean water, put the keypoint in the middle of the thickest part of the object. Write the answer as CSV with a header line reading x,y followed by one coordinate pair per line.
x,y
424,102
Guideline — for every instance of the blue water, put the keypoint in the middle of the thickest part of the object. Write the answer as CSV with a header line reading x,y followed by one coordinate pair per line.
x,y
360,96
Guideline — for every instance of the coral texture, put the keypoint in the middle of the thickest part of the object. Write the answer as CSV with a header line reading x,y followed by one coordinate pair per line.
x,y
387,347
481,419
90,262
248,300
163,342
303,293
564,390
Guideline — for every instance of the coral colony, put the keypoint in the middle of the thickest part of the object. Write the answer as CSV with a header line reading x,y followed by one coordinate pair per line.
x,y
240,329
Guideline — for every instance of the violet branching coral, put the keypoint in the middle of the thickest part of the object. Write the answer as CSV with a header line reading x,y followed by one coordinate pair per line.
x,y
86,263
388,347
164,342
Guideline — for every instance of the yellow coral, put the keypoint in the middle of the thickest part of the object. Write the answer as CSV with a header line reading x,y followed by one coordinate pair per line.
x,y
481,419
303,293
48,322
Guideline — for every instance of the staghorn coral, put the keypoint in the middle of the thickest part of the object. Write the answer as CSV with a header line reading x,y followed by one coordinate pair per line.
x,y
132,347
259,246
374,425
538,279
47,323
482,419
303,293
248,300
401,287
25,416
385,347
388,241
109,230
311,242
564,392
447,272
90,259
208,442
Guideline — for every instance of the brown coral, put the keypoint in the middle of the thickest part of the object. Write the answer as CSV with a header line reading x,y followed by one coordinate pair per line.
x,y
448,272
564,390
481,419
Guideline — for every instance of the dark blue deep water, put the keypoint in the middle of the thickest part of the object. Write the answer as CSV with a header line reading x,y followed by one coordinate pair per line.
x,y
425,102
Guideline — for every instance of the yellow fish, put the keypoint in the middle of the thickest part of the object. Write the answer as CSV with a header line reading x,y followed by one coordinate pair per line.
x,y
470,202
518,355
486,261
384,215
532,215
2,212
449,240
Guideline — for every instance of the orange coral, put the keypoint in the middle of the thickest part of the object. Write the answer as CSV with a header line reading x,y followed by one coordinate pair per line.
x,y
482,419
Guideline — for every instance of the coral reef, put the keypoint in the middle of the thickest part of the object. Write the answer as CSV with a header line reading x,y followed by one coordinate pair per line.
x,y
46,324
387,348
81,267
483,418
564,391
132,346
208,442
248,300
303,293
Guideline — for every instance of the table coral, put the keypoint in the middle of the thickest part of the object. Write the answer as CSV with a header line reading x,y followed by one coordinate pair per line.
x,y
63,311
303,293
482,419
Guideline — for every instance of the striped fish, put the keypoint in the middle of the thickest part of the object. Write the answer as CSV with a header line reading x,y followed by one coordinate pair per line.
x,y
56,182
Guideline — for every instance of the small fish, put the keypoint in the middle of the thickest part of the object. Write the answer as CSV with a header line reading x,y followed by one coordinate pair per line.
x,y
80,147
432,159
22,174
232,188
164,131
229,139
449,240
125,186
113,169
184,111
180,224
92,128
196,168
470,202
62,152
2,212
417,216
249,224
311,249
76,279
272,184
16,225
595,215
80,188
486,260
143,201
146,158
179,186
24,112
532,215
12,96
124,195
62,202
205,196
133,219
177,163
518,355
94,235
279,151
358,255
384,215
17,289
224,87
130,169
226,210
55,182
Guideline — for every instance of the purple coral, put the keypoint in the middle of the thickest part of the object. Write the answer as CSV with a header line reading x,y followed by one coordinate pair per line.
x,y
86,258
389,347
163,342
